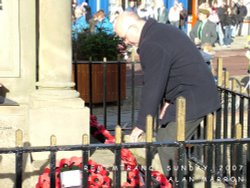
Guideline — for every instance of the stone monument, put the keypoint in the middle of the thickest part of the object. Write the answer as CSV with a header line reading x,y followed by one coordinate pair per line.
x,y
37,92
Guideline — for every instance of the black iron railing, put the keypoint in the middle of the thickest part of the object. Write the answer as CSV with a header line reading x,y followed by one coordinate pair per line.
x,y
220,145
237,179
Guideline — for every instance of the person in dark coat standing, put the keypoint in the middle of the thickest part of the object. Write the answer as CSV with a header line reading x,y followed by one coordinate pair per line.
x,y
173,67
204,31
240,10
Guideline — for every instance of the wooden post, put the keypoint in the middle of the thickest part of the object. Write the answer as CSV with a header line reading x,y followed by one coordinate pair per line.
x,y
85,140
238,132
226,79
181,118
85,158
133,55
180,123
19,138
209,150
219,71
149,156
238,153
118,134
210,127
234,85
117,172
52,140
149,128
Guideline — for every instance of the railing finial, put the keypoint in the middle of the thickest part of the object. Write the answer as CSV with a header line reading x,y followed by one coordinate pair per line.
x,y
52,140
181,118
210,127
220,71
149,128
19,138
118,134
85,140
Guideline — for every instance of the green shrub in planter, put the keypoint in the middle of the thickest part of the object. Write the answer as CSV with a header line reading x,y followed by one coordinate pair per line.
x,y
97,46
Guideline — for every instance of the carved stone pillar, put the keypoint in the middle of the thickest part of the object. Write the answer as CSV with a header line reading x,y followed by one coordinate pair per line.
x,y
56,108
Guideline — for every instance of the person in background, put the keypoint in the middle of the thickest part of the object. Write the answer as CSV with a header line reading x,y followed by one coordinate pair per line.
x,y
172,67
87,11
174,14
143,11
161,12
219,28
132,6
228,24
240,10
115,11
80,24
204,31
73,5
103,23
183,17
92,23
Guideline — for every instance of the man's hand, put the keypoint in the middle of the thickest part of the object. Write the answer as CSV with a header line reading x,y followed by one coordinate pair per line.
x,y
163,110
136,134
197,41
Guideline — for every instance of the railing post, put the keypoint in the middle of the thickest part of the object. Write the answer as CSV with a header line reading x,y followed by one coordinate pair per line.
x,y
53,162
248,145
209,150
119,91
219,71
218,157
19,159
149,139
180,120
226,79
238,168
90,86
233,107
233,122
241,108
75,62
85,158
225,120
105,91
133,87
117,169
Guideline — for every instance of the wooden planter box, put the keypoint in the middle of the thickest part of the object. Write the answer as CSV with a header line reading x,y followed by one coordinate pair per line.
x,y
82,82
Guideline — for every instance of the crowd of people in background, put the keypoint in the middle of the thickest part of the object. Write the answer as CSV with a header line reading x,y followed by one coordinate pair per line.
x,y
82,20
218,23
